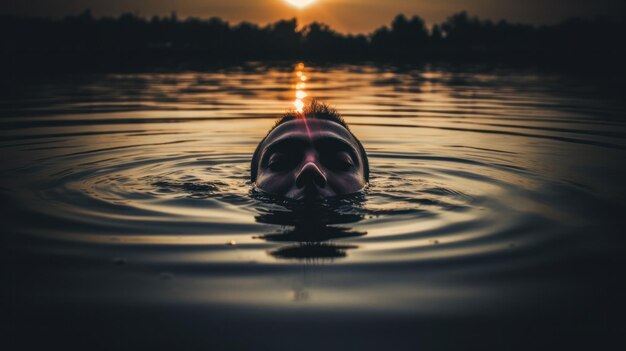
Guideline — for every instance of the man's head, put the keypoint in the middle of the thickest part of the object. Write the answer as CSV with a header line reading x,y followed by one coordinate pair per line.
x,y
310,155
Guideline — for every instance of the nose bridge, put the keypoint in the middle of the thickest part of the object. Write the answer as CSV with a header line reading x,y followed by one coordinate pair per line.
x,y
311,157
311,162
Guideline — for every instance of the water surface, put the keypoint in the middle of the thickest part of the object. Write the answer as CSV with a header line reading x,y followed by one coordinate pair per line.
x,y
495,206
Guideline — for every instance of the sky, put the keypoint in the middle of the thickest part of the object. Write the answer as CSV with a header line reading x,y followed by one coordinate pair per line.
x,y
353,16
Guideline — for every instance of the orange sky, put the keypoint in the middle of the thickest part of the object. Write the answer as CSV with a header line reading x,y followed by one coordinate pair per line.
x,y
343,15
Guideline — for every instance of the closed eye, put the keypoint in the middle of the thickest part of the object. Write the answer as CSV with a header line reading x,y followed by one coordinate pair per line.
x,y
340,161
281,155
337,154
281,162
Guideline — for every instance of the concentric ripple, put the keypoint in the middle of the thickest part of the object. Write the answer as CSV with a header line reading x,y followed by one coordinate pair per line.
x,y
475,174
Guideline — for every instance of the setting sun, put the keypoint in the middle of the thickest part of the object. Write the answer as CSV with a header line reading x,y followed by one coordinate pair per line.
x,y
300,3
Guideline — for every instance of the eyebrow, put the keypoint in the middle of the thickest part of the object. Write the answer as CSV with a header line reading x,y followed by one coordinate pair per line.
x,y
294,143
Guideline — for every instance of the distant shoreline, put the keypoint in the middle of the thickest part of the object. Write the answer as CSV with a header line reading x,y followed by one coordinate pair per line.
x,y
132,43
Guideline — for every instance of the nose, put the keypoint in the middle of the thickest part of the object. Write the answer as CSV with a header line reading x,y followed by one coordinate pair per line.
x,y
311,174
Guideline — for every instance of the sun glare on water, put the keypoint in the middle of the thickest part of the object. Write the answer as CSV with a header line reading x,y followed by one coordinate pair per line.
x,y
300,3
300,94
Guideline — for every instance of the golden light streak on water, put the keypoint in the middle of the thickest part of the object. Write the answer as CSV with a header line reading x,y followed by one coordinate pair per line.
x,y
299,105
300,94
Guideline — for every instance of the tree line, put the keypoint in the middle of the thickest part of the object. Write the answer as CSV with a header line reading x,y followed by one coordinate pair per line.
x,y
132,41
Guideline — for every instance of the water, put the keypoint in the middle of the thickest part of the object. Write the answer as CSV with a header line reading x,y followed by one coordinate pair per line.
x,y
495,208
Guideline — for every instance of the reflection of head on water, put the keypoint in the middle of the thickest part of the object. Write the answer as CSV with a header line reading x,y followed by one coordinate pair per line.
x,y
311,225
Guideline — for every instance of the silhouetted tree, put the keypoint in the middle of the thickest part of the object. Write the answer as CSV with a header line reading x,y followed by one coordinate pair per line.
x,y
284,39
130,41
406,38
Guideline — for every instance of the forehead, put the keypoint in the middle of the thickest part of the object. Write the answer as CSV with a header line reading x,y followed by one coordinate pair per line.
x,y
312,129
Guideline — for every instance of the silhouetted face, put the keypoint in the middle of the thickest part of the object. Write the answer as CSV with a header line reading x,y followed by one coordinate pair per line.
x,y
320,161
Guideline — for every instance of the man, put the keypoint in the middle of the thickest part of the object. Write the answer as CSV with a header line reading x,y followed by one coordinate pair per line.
x,y
310,155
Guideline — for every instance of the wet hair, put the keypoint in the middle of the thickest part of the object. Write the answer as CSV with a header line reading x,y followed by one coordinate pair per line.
x,y
314,110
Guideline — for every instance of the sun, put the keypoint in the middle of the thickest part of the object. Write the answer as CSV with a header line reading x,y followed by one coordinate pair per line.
x,y
300,3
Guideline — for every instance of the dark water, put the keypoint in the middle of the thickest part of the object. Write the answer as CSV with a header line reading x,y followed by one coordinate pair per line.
x,y
494,214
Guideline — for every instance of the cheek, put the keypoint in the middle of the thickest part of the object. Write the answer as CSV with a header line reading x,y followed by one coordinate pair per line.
x,y
275,182
346,183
